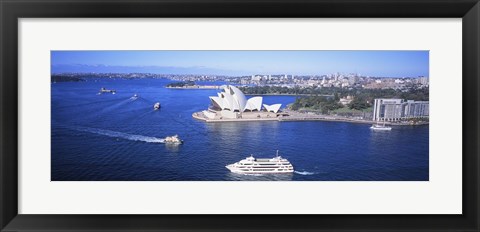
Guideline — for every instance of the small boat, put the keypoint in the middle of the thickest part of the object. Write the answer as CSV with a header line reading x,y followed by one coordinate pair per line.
x,y
134,97
252,165
173,140
156,106
103,90
380,127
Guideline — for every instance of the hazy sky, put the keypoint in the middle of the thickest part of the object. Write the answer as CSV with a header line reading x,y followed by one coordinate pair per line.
x,y
369,63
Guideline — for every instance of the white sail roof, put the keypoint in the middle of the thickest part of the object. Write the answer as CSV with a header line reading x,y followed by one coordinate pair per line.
x,y
233,99
240,99
254,103
228,103
272,108
217,102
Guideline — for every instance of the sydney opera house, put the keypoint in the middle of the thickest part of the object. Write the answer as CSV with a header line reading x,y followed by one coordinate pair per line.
x,y
231,103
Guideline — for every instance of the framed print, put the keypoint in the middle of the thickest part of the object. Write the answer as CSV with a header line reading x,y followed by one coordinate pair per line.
x,y
250,116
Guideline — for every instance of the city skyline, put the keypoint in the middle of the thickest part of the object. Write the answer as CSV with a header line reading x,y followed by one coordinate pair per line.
x,y
235,63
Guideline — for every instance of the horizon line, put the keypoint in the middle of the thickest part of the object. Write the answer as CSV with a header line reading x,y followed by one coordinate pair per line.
x,y
225,75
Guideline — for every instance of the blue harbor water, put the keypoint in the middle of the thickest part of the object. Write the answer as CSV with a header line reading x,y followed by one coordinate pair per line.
x,y
111,137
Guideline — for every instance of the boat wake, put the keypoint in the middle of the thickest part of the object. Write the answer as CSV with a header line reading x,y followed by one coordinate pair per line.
x,y
116,134
305,173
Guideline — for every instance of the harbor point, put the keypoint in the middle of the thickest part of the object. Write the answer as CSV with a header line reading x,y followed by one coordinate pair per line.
x,y
231,105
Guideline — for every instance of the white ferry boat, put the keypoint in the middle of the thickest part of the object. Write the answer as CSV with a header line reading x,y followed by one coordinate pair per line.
x,y
252,165
173,140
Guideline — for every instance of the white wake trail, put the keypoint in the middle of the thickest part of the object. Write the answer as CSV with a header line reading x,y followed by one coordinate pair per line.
x,y
116,134
305,173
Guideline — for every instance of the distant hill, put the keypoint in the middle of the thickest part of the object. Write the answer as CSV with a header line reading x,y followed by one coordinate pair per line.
x,y
65,78
81,68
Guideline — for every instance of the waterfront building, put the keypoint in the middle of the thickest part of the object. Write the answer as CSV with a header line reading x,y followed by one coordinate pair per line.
x,y
416,109
398,109
232,103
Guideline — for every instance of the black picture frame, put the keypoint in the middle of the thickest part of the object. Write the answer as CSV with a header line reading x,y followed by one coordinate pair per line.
x,y
11,11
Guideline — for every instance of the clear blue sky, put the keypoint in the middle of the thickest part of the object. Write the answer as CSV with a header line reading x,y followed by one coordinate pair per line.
x,y
370,63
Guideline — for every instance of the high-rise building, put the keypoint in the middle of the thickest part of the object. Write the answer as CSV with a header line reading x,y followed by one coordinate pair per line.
x,y
423,80
256,78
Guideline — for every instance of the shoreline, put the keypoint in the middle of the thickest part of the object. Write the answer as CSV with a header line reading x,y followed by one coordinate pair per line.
x,y
195,87
298,118
247,94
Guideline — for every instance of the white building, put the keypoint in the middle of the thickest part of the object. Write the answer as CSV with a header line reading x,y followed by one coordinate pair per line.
x,y
256,78
416,109
231,103
397,109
